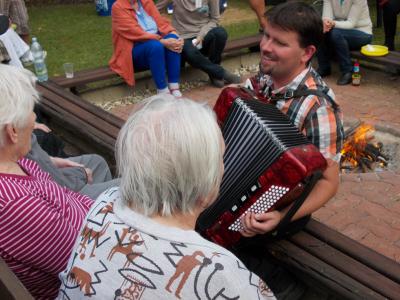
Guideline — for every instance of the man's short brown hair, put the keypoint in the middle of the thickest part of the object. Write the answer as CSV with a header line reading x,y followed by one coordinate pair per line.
x,y
300,18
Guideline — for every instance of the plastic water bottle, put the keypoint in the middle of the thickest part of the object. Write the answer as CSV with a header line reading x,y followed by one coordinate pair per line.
x,y
38,60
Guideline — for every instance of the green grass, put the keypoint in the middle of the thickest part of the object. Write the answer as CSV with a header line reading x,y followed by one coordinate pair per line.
x,y
74,33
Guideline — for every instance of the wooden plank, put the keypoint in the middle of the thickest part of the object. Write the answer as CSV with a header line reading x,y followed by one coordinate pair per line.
x,y
352,248
391,59
83,114
10,286
77,126
299,259
346,264
85,76
86,105
241,43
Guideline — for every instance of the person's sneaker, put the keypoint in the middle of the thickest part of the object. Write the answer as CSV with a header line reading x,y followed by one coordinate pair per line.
x,y
176,93
344,79
231,78
219,83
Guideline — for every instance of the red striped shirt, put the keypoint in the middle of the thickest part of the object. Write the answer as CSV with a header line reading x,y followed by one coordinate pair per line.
x,y
39,222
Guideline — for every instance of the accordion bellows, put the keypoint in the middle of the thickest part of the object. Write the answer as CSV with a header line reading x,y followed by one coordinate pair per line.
x,y
267,163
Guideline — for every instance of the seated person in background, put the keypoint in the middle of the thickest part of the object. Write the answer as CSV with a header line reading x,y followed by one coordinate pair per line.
x,y
18,14
391,8
169,155
292,34
17,49
204,39
39,219
347,26
142,40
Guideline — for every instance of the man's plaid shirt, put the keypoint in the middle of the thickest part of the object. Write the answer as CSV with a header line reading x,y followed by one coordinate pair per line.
x,y
318,118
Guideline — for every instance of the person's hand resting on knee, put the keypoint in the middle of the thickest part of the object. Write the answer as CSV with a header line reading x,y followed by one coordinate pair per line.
x,y
66,163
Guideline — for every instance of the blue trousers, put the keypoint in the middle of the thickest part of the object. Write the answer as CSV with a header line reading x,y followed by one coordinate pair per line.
x,y
341,41
154,56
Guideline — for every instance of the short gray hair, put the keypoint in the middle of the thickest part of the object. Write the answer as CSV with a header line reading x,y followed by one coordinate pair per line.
x,y
18,96
169,156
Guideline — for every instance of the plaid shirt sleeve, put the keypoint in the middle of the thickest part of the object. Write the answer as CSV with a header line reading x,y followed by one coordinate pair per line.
x,y
323,130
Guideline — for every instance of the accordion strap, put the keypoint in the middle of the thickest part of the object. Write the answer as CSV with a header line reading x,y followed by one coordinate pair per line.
x,y
280,229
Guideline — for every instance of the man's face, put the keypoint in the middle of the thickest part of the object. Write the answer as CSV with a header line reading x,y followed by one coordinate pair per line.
x,y
281,55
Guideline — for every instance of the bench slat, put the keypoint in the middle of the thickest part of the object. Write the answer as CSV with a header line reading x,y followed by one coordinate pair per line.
x,y
346,264
82,114
85,105
302,262
365,255
76,125
391,59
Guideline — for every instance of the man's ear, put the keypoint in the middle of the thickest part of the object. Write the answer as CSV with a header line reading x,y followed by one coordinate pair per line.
x,y
11,133
309,51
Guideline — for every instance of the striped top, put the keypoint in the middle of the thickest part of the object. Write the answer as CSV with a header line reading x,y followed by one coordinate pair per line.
x,y
39,223
318,118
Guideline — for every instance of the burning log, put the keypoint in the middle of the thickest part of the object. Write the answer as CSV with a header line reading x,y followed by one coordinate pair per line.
x,y
360,152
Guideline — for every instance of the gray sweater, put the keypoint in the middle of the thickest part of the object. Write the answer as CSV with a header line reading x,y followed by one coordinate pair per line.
x,y
352,14
192,22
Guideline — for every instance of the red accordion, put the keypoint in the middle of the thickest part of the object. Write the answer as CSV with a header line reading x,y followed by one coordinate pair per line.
x,y
268,164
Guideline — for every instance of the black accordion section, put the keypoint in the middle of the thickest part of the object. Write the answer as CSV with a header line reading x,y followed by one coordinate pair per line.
x,y
256,134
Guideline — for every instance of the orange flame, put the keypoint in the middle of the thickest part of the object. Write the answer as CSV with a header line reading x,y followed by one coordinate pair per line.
x,y
354,145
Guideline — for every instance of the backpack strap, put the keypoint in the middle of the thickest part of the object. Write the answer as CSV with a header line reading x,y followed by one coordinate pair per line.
x,y
302,91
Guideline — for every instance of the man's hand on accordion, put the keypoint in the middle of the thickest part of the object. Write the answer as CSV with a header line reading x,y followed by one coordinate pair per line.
x,y
260,223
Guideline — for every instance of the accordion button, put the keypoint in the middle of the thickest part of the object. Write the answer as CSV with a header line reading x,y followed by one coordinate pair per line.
x,y
234,208
244,198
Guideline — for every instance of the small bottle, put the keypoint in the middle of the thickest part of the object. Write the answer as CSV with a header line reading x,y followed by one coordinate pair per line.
x,y
38,61
356,77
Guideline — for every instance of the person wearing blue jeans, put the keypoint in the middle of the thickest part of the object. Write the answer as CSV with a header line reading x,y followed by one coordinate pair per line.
x,y
341,42
347,26
147,56
142,40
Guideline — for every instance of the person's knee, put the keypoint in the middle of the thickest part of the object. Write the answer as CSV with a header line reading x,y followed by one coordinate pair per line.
x,y
336,35
220,33
171,36
155,48
190,53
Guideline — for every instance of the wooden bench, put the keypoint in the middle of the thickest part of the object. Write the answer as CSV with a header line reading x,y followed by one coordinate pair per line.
x,y
103,73
10,286
325,258
392,59
85,121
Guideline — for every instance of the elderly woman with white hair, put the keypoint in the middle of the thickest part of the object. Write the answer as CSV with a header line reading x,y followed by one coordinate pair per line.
x,y
39,219
169,155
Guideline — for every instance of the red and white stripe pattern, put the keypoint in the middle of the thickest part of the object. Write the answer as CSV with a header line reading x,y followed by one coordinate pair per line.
x,y
39,223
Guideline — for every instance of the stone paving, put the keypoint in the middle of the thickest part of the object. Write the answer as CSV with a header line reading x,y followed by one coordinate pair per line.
x,y
367,206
